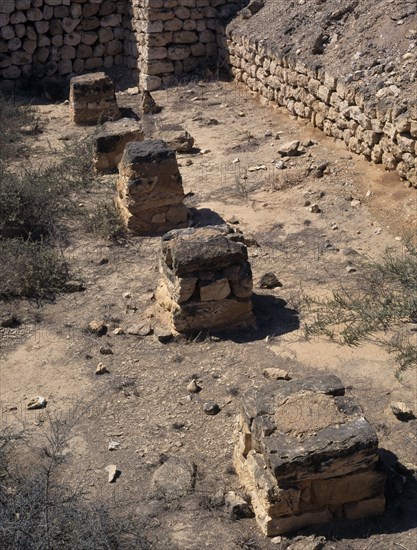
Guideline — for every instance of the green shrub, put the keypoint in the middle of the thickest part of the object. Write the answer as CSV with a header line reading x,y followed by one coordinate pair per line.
x,y
104,221
380,306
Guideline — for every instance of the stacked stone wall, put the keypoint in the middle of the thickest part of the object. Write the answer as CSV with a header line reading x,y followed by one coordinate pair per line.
x,y
176,37
45,38
382,131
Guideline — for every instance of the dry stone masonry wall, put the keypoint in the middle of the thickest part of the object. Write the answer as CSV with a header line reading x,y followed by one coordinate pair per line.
x,y
45,38
382,131
175,37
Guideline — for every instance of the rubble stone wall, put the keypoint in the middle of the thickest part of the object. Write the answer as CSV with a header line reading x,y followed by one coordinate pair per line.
x,y
383,131
175,37
42,38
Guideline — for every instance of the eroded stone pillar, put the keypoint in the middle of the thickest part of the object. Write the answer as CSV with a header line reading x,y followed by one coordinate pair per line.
x,y
206,280
92,99
306,454
150,193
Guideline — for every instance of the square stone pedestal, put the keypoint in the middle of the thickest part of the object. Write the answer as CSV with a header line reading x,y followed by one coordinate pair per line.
x,y
306,454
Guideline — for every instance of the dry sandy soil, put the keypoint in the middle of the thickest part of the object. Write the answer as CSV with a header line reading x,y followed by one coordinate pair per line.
x,y
143,402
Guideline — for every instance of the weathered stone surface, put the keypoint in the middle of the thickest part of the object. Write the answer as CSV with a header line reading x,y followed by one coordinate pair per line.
x,y
306,454
92,99
150,192
110,143
173,479
200,269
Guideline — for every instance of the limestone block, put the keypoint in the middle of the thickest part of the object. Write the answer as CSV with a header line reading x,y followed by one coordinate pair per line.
x,y
92,98
110,142
305,454
150,192
200,260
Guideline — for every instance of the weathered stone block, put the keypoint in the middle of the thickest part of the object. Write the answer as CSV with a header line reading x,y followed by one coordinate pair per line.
x,y
110,142
199,268
306,454
92,99
150,192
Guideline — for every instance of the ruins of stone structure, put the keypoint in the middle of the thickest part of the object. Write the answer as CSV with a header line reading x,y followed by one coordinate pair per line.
x,y
92,99
110,142
206,280
305,454
150,194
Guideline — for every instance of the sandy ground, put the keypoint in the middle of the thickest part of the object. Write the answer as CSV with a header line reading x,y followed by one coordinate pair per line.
x,y
143,402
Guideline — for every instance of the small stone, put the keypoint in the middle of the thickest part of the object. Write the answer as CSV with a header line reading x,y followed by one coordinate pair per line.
x,y
280,165
233,220
350,269
99,328
149,105
355,202
402,411
113,472
307,543
101,369
241,114
211,408
193,387
268,133
9,320
276,540
117,331
205,151
273,373
114,445
74,286
127,295
315,208
237,507
289,149
106,351
307,203
236,161
269,280
37,403
139,329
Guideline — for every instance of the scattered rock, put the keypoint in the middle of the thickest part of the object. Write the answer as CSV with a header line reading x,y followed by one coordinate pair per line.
x,y
402,411
233,220
140,329
269,280
315,208
149,105
289,149
99,328
9,320
350,269
37,403
74,286
193,387
355,203
273,373
114,445
237,507
101,369
113,472
106,351
117,331
307,543
211,408
173,479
